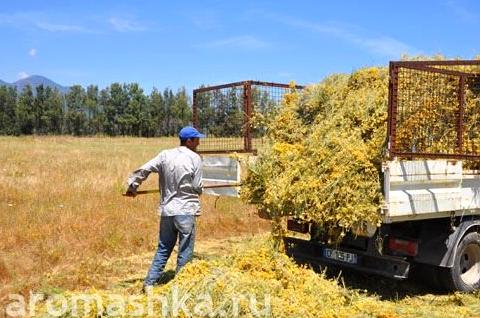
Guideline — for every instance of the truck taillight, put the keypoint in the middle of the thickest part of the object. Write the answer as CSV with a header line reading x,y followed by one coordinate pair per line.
x,y
403,246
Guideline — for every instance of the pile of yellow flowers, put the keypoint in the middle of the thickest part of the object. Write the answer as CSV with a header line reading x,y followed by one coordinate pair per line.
x,y
327,144
253,281
326,151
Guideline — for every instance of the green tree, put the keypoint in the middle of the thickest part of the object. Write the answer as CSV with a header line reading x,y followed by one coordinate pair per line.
x,y
108,112
205,111
8,101
119,101
39,107
136,112
24,112
228,116
235,115
157,113
181,110
219,105
76,118
168,124
95,113
52,116
265,107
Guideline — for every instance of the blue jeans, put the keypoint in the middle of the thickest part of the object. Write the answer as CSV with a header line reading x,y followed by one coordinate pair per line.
x,y
182,226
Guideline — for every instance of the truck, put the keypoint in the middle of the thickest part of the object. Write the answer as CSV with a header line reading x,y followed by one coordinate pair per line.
x,y
431,210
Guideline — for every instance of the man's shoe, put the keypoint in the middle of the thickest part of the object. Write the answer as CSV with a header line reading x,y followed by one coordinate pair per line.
x,y
147,289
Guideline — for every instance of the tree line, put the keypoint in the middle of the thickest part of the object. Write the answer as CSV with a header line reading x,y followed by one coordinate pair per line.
x,y
117,110
125,110
221,112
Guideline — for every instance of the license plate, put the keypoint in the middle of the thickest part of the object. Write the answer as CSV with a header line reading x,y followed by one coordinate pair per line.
x,y
340,256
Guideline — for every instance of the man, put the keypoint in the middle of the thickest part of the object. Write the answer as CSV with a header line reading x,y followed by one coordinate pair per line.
x,y
180,182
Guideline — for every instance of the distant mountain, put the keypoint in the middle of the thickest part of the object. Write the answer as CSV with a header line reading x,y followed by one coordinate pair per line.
x,y
2,83
37,80
34,81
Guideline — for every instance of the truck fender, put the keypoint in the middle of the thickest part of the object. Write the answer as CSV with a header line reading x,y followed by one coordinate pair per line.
x,y
438,247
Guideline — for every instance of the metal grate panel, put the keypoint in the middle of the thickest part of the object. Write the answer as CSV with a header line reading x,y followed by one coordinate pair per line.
x,y
224,113
434,109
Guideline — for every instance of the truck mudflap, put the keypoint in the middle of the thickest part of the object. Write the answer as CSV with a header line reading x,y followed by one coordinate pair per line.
x,y
305,251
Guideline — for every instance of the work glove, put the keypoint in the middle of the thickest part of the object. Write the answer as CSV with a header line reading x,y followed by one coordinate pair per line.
x,y
131,191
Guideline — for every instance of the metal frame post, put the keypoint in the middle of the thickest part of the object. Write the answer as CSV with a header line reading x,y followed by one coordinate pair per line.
x,y
247,108
195,122
461,110
392,108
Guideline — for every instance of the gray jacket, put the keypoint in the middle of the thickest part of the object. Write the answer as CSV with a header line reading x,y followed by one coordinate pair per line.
x,y
180,180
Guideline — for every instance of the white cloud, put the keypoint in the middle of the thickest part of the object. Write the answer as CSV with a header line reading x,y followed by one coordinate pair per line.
x,y
22,75
47,21
52,27
71,23
15,19
239,42
380,45
386,46
314,27
125,25
32,52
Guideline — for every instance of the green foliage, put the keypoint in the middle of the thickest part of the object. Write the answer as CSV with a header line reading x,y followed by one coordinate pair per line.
x,y
119,109
8,98
76,118
53,112
95,115
24,117
221,112
181,110
155,114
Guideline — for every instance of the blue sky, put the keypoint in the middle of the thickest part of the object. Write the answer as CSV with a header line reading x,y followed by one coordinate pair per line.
x,y
187,43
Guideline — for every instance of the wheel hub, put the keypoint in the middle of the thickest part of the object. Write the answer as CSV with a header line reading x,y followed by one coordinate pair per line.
x,y
470,264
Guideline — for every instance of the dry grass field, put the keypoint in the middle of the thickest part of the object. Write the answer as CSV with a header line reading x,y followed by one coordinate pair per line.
x,y
63,217
66,229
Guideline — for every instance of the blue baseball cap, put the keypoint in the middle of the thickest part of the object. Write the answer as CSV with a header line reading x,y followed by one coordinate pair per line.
x,y
189,132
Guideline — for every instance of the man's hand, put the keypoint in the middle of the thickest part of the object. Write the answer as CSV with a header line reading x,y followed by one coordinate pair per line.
x,y
131,191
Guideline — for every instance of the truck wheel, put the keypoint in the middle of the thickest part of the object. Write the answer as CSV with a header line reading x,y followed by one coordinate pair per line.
x,y
465,273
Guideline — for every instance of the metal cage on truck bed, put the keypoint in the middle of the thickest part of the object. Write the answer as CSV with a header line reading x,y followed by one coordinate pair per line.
x,y
224,113
434,109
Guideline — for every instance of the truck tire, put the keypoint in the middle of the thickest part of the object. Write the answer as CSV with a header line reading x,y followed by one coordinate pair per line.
x,y
465,274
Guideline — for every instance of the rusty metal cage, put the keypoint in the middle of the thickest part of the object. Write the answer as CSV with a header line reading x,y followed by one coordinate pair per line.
x,y
224,113
434,109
